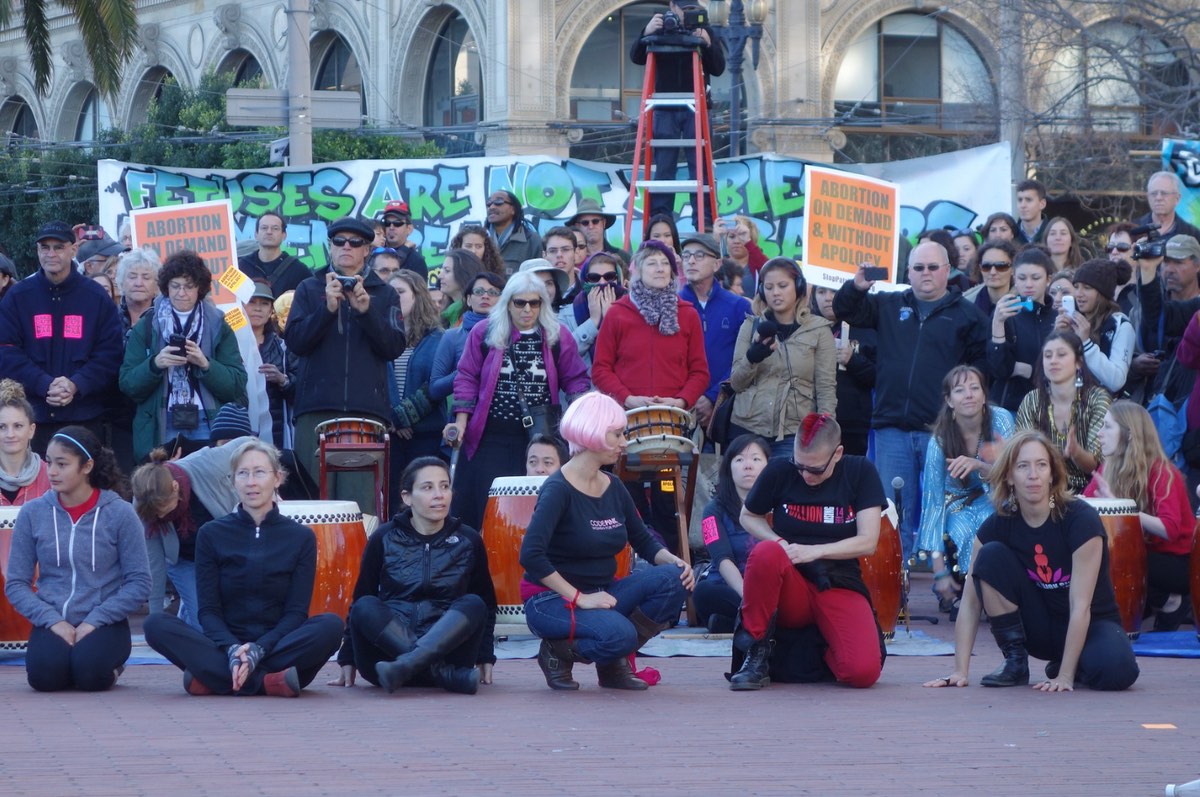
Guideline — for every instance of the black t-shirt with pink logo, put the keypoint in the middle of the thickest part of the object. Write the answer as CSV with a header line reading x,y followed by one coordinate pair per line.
x,y
580,536
823,514
1046,554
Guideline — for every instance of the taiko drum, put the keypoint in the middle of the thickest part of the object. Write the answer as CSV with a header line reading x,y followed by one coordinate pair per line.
x,y
883,573
341,538
14,628
1126,558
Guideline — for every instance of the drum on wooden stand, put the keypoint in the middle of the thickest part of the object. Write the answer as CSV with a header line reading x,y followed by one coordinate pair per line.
x,y
883,573
14,628
341,538
1126,558
659,429
510,505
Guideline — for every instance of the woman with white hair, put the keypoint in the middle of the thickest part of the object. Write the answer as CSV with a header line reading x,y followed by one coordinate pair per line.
x,y
137,281
512,371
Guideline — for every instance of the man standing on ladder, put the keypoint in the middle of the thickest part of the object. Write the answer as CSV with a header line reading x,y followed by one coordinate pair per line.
x,y
674,74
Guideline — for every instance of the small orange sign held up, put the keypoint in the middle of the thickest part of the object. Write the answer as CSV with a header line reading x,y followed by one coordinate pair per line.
x,y
849,219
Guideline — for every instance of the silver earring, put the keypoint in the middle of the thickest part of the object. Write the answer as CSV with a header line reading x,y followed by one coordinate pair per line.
x,y
1078,379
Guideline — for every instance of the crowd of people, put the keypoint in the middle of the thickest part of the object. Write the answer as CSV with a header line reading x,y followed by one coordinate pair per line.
x,y
1014,373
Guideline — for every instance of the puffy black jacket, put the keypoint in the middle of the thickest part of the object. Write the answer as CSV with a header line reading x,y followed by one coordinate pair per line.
x,y
914,355
344,356
1024,334
418,577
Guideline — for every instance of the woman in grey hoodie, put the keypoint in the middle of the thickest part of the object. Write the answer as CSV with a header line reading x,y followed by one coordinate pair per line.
x,y
87,547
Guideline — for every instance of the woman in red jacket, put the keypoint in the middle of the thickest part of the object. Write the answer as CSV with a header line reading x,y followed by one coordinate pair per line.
x,y
650,349
1136,467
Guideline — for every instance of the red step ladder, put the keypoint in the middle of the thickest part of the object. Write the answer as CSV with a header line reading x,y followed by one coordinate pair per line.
x,y
703,182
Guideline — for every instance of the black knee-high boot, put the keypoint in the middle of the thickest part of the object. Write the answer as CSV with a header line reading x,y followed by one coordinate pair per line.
x,y
450,631
1009,632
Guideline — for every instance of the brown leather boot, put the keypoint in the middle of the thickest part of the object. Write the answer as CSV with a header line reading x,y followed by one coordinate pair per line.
x,y
618,674
646,628
557,657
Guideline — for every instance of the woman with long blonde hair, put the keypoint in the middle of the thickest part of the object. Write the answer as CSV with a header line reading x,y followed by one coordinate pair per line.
x,y
1136,467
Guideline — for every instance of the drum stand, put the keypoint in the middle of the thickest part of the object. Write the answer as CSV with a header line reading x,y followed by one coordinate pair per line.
x,y
681,468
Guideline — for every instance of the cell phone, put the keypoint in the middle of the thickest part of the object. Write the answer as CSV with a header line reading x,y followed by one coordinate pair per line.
x,y
1025,304
1068,304
180,344
348,283
875,273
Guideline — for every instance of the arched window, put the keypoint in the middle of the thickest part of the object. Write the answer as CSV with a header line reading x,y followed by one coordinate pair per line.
x,y
93,117
337,67
914,73
606,88
454,87
245,67
149,89
17,122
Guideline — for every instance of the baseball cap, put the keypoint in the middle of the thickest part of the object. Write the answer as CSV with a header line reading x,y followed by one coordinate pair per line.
x,y
262,290
397,207
56,230
102,247
1181,247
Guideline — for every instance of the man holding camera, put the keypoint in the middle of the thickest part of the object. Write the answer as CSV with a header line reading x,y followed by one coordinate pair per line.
x,y
673,73
345,326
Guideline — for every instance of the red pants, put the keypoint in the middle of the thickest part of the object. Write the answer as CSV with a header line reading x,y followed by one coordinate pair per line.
x,y
774,587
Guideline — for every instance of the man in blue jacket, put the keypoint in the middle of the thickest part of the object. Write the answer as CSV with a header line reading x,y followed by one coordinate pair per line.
x,y
345,327
923,333
61,339
721,313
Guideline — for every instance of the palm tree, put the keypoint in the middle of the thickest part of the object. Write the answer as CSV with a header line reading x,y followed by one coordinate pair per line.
x,y
108,28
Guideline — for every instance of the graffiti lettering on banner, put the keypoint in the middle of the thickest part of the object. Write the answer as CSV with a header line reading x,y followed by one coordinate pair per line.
x,y
849,220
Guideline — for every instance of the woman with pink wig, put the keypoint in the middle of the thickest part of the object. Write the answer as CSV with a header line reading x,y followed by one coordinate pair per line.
x,y
584,518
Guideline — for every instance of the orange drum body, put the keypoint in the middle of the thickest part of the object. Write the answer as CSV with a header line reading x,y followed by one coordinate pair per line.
x,y
1126,558
341,538
14,629
883,573
510,504
1196,575
658,429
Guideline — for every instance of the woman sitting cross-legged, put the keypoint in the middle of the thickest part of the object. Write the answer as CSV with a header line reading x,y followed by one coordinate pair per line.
x,y
424,607
1040,570
584,518
254,582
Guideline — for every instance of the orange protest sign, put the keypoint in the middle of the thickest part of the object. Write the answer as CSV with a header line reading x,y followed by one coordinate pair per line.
x,y
205,228
849,219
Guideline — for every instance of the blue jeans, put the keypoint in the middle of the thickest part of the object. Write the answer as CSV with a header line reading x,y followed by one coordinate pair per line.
x,y
902,453
605,635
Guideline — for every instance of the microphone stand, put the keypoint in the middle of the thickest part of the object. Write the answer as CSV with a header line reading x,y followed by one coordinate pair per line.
x,y
897,486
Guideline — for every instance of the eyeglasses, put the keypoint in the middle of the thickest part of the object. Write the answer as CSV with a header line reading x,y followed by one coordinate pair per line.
x,y
590,222
495,203
403,223
816,471
353,243
932,268
1119,247
384,250
181,287
521,304
696,254
1160,194
560,250
258,473
609,276
995,266
581,246
492,292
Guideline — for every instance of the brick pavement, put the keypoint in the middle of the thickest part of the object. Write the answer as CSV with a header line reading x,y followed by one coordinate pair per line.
x,y
688,735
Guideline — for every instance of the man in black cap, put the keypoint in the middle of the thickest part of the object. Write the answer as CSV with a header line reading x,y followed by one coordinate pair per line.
x,y
397,226
61,339
345,326
721,313
269,262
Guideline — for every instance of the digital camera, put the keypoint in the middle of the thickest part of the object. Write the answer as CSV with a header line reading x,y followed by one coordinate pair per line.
x,y
693,17
1149,250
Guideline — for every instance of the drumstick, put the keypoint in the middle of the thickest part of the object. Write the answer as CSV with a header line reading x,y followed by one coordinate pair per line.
x,y
454,461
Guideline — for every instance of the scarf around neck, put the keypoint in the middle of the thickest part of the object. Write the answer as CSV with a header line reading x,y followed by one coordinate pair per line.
x,y
658,306
25,477
167,324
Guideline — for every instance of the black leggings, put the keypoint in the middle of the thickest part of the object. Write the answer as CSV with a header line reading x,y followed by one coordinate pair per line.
x,y
52,665
307,649
369,616
714,597
1106,661
1168,573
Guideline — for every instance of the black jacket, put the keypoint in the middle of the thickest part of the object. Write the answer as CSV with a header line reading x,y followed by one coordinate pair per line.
x,y
673,71
857,382
344,356
418,577
285,274
254,583
1023,334
913,355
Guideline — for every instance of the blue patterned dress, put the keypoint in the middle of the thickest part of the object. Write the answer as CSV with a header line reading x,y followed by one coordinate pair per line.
x,y
952,506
